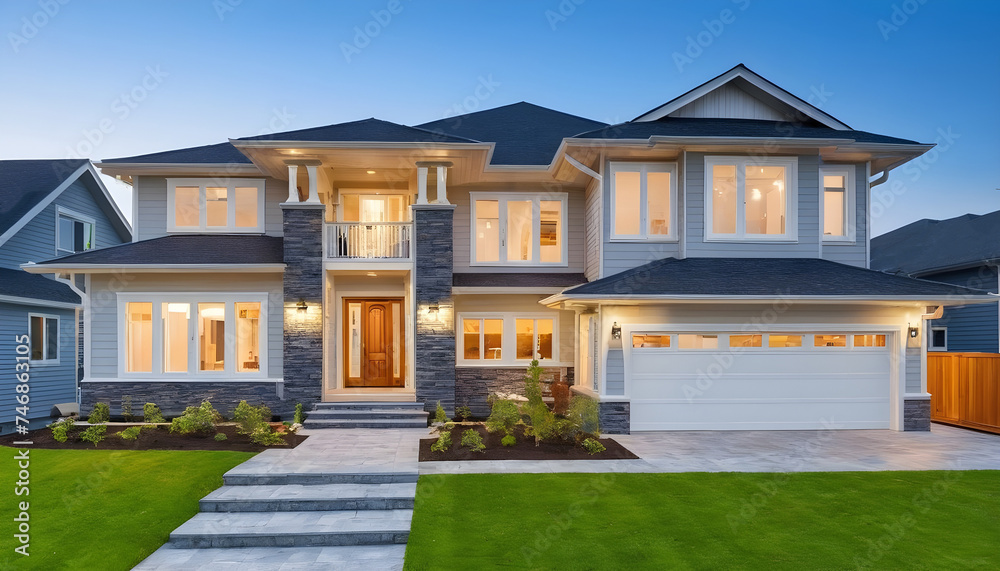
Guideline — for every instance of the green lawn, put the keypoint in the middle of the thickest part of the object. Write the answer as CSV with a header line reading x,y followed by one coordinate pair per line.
x,y
98,509
883,520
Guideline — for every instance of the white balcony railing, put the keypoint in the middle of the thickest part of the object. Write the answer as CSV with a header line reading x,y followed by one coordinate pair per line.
x,y
369,241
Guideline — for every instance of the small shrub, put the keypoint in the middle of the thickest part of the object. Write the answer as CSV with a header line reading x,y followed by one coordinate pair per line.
x,y
250,418
593,446
151,413
196,419
100,414
300,415
541,419
264,436
473,441
61,430
439,414
219,436
94,433
504,416
443,442
508,440
130,433
585,415
463,412
127,415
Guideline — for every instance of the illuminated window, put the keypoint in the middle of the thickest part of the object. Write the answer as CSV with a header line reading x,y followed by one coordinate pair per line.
x,y
643,201
139,337
784,340
750,198
697,341
197,205
740,340
176,319
650,340
829,340
507,339
838,202
869,340
518,229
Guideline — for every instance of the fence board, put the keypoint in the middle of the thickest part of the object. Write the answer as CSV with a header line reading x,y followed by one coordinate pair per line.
x,y
965,389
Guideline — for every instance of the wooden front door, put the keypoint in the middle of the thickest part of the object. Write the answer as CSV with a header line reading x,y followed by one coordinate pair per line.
x,y
373,343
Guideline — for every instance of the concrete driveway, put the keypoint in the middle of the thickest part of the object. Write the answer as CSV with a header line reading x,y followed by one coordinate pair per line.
x,y
943,448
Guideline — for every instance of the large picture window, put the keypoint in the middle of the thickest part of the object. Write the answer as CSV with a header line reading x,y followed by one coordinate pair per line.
x,y
518,229
498,339
192,335
837,203
43,338
643,201
207,205
750,198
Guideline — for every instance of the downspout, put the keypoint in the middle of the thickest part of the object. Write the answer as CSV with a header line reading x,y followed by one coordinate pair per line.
x,y
84,304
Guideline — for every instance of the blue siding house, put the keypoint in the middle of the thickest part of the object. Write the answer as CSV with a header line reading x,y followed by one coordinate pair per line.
x,y
48,208
962,251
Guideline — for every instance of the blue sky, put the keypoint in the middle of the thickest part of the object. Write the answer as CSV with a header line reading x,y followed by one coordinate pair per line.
x,y
109,79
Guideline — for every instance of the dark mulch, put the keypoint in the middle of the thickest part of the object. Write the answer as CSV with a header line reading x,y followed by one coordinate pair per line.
x,y
525,448
159,438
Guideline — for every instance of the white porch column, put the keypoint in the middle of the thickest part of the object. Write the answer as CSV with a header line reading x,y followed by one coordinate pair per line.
x,y
313,184
293,188
442,186
421,185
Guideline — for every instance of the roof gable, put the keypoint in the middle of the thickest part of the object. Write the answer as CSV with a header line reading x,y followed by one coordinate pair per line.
x,y
741,93
221,153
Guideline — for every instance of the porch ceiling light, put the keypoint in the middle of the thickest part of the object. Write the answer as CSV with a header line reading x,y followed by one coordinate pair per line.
x,y
616,331
370,172
301,305
372,275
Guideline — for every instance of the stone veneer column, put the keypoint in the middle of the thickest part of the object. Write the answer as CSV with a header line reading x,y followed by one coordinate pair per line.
x,y
434,339
302,369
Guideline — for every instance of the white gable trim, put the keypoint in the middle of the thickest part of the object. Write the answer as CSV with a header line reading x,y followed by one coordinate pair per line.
x,y
756,80
107,196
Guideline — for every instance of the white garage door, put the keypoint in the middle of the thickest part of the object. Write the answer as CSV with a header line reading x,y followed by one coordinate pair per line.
x,y
770,381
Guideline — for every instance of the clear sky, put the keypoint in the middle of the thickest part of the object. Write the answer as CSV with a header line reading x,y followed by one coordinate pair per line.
x,y
114,78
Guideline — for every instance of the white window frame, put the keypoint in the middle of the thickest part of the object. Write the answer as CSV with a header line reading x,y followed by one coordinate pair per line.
x,y
536,221
508,340
61,213
643,169
791,165
45,330
193,374
850,202
930,339
380,192
202,183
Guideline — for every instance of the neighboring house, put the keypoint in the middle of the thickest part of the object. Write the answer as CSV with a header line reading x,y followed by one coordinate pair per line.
x,y
964,251
48,208
704,266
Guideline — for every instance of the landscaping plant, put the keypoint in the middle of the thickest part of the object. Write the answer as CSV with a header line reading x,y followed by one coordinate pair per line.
x,y
127,408
504,416
443,443
584,414
100,414
473,441
248,418
130,433
542,420
463,412
151,413
509,440
61,429
593,446
196,419
219,437
439,415
94,433
300,415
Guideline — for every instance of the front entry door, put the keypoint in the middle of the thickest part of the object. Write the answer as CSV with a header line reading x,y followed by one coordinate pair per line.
x,y
373,343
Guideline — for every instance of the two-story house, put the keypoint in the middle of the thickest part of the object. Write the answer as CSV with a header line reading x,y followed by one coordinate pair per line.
x,y
703,266
48,208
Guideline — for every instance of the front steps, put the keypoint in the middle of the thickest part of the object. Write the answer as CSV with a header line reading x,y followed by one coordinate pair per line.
x,y
367,415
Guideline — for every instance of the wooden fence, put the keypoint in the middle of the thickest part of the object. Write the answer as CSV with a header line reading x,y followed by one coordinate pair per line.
x,y
965,389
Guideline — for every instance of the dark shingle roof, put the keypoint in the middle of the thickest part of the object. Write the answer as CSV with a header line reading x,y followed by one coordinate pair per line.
x,y
525,134
517,280
366,130
222,249
222,153
25,183
770,277
18,283
748,128
928,246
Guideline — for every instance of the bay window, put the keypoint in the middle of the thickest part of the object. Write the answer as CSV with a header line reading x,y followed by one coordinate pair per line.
x,y
503,339
518,229
209,205
643,201
837,203
750,198
192,335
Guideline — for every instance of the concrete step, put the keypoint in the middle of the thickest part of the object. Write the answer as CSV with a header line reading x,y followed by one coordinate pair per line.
x,y
365,423
293,529
298,497
368,405
337,414
330,558
316,478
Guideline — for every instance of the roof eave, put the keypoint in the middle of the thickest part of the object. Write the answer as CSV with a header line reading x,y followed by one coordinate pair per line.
x,y
55,267
756,299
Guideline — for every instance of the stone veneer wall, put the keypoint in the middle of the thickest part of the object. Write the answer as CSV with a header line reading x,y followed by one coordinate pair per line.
x,y
173,398
302,363
615,418
917,415
434,340
473,385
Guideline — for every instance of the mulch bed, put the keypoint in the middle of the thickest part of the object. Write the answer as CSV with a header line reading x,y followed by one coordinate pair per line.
x,y
159,438
525,448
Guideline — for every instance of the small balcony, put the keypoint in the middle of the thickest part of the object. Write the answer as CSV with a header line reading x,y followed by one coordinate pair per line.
x,y
369,241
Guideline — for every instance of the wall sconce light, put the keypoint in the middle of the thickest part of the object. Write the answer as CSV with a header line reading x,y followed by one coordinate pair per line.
x,y
301,306
616,331
914,331
433,310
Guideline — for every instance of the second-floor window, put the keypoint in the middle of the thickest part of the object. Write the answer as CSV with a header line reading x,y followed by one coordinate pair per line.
x,y
215,205
837,203
643,201
750,198
74,233
518,229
